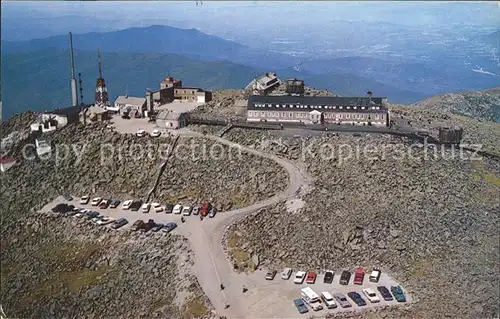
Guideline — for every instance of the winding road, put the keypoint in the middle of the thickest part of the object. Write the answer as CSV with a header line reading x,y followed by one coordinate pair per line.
x,y
211,265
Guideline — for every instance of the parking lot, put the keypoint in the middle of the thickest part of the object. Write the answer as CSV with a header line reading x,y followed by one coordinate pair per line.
x,y
131,216
264,298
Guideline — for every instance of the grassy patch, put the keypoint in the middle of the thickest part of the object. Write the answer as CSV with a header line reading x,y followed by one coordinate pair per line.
x,y
194,308
482,174
241,257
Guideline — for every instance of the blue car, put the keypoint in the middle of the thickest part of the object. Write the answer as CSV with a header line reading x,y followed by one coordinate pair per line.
x,y
168,227
357,298
398,293
300,305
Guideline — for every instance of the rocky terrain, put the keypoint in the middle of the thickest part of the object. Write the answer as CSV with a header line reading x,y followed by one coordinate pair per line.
x,y
426,221
482,105
56,267
483,133
204,170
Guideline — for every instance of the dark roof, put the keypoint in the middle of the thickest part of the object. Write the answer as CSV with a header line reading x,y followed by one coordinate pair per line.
x,y
309,102
67,111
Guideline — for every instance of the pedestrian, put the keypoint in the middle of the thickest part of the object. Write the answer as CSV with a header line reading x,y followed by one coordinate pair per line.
x,y
182,219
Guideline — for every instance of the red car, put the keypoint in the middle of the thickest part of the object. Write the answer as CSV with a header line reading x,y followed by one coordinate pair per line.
x,y
311,277
205,209
359,275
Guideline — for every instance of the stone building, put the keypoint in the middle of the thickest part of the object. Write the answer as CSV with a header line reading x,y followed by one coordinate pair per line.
x,y
126,103
192,94
264,84
170,82
318,110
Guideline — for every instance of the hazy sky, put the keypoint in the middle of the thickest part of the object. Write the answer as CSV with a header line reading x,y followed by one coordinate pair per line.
x,y
397,12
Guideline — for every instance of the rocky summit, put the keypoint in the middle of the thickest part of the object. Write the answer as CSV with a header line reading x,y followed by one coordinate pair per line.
x,y
55,267
429,220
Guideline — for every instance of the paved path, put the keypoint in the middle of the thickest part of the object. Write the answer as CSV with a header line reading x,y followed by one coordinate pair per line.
x,y
211,265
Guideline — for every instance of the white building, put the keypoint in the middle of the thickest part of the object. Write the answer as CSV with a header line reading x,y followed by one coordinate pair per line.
x,y
49,122
129,103
42,147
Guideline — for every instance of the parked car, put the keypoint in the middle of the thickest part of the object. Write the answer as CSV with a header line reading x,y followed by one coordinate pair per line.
x,y
311,277
169,208
67,197
136,205
358,300
286,273
119,223
95,201
149,225
97,218
342,300
177,209
60,208
157,207
345,277
126,204
212,212
186,211
137,225
205,208
328,278
300,305
91,215
141,133
196,210
168,227
359,275
105,221
386,294
114,203
80,214
84,199
299,277
157,227
371,295
375,275
398,293
155,133
328,300
104,203
270,274
145,207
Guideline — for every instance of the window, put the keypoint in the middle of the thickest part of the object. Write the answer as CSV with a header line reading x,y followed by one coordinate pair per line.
x,y
283,114
348,107
355,107
348,116
192,92
341,107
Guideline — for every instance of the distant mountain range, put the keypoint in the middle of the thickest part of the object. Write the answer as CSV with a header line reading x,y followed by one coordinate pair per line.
x,y
138,58
42,78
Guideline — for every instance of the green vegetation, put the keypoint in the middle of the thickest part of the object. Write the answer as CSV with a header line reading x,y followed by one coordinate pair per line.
x,y
241,257
194,308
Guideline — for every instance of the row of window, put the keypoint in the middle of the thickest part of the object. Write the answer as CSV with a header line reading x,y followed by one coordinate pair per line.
x,y
359,116
333,107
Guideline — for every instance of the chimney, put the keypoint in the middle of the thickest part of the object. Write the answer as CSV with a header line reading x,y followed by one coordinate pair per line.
x,y
126,96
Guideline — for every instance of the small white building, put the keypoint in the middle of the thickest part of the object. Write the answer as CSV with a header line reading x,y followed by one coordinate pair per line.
x,y
42,147
7,162
129,103
174,120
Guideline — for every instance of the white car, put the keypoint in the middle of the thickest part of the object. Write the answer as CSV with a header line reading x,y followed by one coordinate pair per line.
x,y
155,133
126,204
84,200
371,295
141,133
96,201
328,300
105,221
286,273
145,207
157,207
186,211
177,209
299,277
